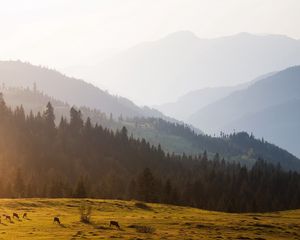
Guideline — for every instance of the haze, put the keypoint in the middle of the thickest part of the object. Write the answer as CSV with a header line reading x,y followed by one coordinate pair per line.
x,y
73,36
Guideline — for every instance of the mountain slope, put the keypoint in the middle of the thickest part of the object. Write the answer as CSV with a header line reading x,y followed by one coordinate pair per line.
x,y
183,62
173,137
193,101
46,161
71,90
279,124
258,100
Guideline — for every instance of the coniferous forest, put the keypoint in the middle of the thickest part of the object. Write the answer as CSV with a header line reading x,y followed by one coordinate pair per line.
x,y
80,159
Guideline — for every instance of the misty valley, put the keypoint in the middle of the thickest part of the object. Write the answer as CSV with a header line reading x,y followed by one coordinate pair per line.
x,y
50,149
142,120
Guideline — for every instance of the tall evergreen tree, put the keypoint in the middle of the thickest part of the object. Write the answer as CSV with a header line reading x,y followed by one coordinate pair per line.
x,y
80,190
19,186
76,122
49,116
146,186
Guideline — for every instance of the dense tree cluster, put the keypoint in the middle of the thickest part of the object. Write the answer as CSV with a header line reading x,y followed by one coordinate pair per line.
x,y
231,146
79,159
174,136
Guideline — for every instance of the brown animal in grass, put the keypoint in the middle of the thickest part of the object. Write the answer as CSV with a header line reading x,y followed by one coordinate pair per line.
x,y
15,215
56,220
7,217
24,215
114,223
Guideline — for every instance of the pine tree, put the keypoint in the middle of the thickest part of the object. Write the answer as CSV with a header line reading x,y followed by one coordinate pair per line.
x,y
76,122
167,192
88,124
19,186
132,190
146,186
80,190
3,108
124,134
49,117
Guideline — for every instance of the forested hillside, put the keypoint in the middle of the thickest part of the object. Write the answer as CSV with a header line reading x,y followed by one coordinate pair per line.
x,y
268,108
173,137
78,159
68,89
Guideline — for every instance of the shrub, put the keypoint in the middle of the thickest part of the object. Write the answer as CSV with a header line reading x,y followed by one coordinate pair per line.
x,y
142,205
85,213
143,229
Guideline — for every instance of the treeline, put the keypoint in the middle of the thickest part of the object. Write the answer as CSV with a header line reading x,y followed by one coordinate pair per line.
x,y
79,159
175,137
232,146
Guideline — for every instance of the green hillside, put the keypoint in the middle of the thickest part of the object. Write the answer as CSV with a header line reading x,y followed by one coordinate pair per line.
x,y
173,137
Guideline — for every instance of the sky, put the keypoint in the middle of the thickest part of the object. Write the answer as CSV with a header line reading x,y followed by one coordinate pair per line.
x,y
65,34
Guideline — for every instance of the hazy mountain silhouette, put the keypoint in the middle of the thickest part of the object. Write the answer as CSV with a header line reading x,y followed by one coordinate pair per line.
x,y
193,101
71,90
162,70
279,124
268,108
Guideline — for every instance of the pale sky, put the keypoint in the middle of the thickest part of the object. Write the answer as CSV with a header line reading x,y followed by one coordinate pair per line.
x,y
64,33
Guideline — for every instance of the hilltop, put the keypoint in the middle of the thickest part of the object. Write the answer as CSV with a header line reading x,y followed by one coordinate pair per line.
x,y
68,89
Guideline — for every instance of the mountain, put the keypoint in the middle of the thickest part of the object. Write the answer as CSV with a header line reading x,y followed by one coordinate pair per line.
x,y
279,124
159,71
173,137
193,101
156,130
268,108
71,90
81,160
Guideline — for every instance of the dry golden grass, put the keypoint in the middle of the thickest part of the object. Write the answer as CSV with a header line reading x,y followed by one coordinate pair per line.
x,y
154,221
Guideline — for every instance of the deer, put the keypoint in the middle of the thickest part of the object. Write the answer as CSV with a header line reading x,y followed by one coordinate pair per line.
x,y
114,223
15,215
56,220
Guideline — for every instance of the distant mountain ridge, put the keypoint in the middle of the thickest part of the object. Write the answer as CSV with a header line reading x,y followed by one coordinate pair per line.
x,y
251,109
279,124
71,90
160,71
193,101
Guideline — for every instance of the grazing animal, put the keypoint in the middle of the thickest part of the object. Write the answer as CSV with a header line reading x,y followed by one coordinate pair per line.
x,y
7,217
15,215
24,215
114,223
56,219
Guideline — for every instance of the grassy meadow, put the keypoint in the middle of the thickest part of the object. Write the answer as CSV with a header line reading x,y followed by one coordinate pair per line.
x,y
139,221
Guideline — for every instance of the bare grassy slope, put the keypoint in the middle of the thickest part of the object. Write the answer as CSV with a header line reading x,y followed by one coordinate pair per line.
x,y
159,222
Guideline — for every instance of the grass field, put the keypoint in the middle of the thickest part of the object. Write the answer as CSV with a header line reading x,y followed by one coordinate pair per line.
x,y
153,221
